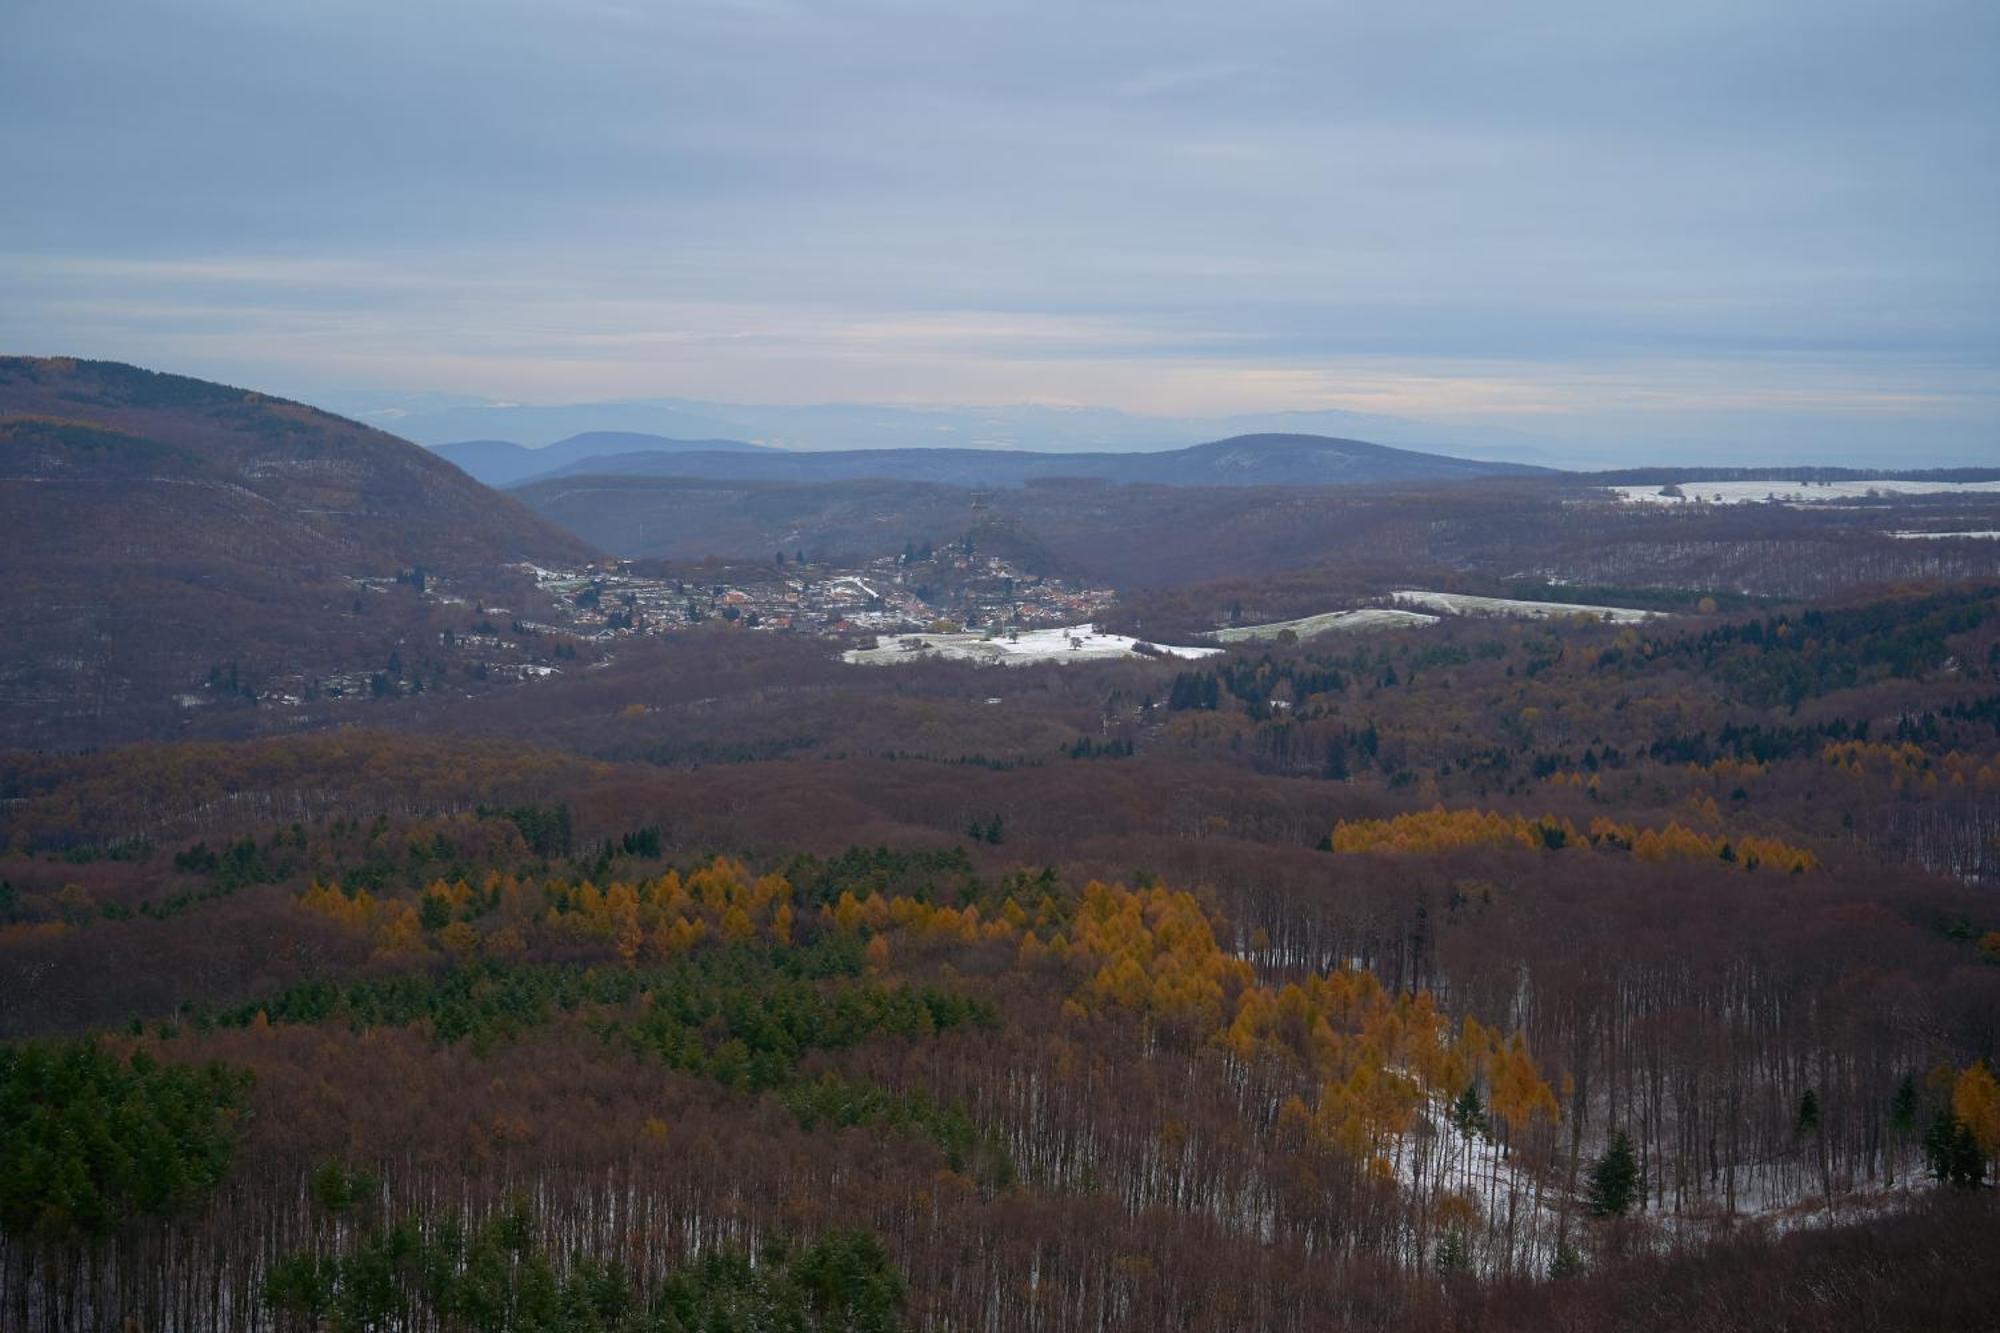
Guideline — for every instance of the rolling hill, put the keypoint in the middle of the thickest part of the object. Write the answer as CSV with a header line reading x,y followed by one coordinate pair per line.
x,y
164,532
1130,537
1244,460
502,462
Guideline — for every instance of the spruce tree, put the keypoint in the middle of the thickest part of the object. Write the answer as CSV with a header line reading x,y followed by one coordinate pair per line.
x,y
1903,1107
1614,1179
1467,1114
1953,1153
1566,1263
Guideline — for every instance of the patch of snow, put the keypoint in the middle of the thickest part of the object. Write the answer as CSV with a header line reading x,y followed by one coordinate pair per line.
x,y
1944,536
1793,492
1306,627
1461,604
549,577
1070,643
1519,1218
855,582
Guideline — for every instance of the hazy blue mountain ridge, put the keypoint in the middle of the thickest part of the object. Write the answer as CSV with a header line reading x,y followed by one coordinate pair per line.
x,y
1244,460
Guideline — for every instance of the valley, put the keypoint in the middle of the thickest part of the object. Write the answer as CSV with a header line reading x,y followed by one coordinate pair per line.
x,y
1368,906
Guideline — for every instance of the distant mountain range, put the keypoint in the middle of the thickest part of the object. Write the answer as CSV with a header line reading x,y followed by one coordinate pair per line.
x,y
1245,460
502,462
846,426
160,528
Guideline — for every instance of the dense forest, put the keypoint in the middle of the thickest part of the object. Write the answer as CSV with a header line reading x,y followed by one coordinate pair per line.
x,y
1488,975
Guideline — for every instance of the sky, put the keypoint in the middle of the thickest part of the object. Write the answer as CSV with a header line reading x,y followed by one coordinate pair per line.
x,y
1707,230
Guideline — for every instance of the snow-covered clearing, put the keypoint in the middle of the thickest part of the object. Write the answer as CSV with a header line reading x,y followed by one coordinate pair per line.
x,y
1462,604
1518,1220
1794,492
1437,605
1519,1217
1070,643
1777,1199
1370,617
1944,536
541,575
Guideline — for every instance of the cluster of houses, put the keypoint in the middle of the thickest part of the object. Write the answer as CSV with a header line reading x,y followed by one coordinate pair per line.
x,y
949,589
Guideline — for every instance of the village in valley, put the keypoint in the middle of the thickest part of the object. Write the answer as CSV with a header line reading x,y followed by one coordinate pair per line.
x,y
576,617
948,602
925,589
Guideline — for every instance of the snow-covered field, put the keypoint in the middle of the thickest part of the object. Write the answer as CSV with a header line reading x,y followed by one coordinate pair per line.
x,y
1085,643
1371,617
1945,536
548,576
854,582
1462,604
1795,492
1071,643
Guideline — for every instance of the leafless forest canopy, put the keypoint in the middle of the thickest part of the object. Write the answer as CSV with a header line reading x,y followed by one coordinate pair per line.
x,y
394,937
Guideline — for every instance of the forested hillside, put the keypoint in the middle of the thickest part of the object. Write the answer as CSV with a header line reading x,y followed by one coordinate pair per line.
x,y
1160,540
175,544
1498,974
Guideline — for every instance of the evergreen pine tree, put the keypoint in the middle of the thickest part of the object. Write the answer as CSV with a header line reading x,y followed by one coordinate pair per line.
x,y
1953,1153
1567,1262
1903,1106
1614,1179
1453,1254
1467,1113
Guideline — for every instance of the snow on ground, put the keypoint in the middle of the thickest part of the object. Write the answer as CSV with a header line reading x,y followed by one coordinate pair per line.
x,y
1461,604
1944,536
1438,1157
1372,617
1070,643
1795,492
1771,1198
541,575
852,581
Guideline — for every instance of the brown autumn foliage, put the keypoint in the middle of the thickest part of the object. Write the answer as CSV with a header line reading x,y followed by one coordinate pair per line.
x,y
1119,1044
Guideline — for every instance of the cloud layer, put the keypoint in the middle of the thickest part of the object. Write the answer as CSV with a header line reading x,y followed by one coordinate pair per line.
x,y
1632,225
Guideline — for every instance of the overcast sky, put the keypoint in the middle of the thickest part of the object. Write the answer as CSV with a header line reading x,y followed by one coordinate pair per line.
x,y
1723,225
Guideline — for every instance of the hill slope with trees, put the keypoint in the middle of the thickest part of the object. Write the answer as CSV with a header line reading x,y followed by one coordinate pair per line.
x,y
162,529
